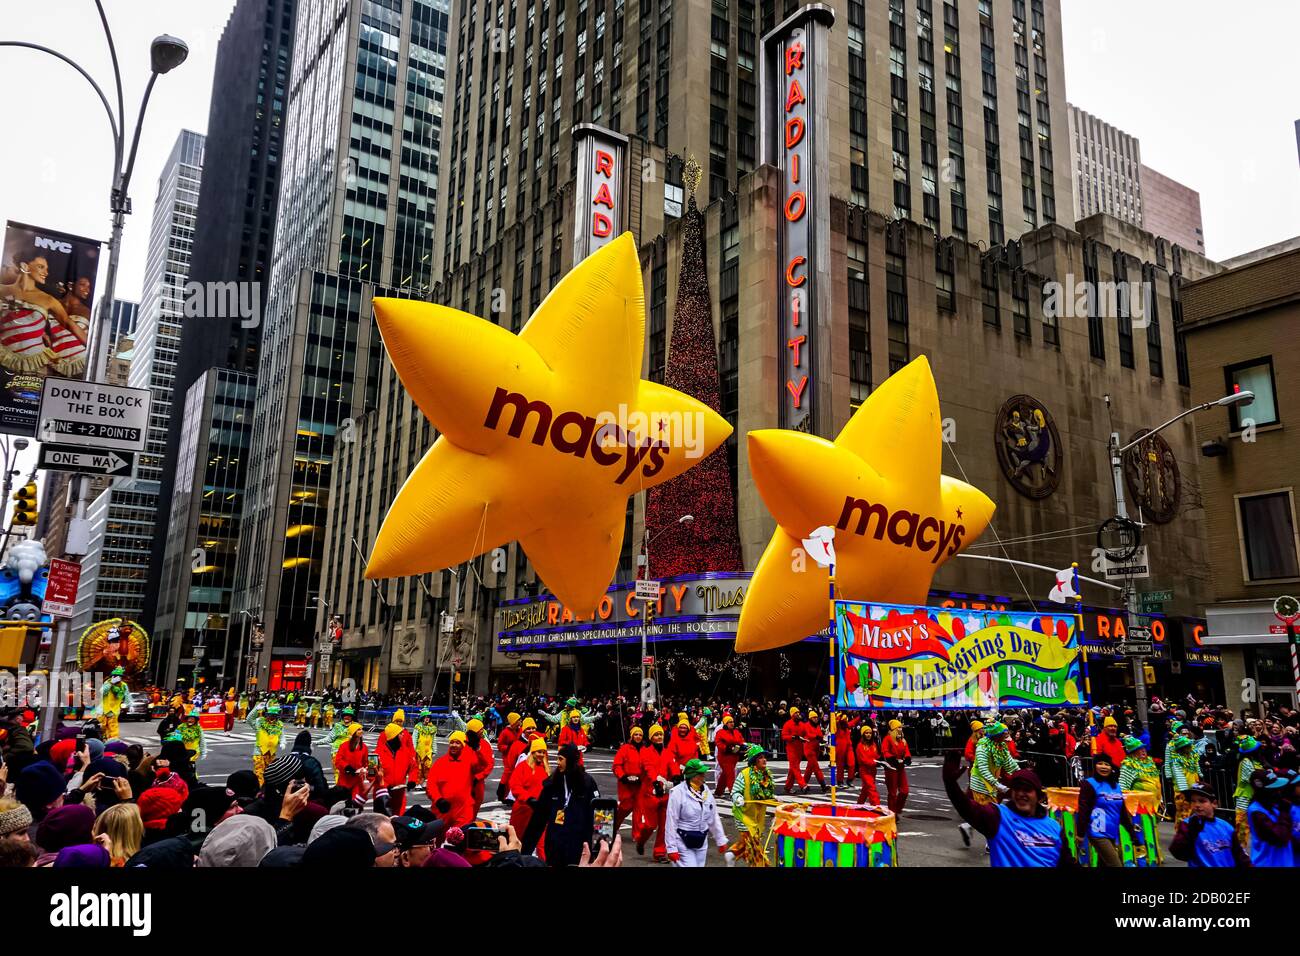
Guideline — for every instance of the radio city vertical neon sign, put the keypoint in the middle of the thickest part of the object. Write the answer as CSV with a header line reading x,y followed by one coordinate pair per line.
x,y
599,216
794,116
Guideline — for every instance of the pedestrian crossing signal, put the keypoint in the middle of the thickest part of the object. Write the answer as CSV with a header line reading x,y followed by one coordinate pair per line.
x,y
25,505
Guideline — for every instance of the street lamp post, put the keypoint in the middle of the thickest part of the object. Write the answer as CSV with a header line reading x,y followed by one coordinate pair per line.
x,y
165,54
1117,452
685,521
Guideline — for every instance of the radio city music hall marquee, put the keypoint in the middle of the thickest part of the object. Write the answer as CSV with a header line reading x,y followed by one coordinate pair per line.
x,y
794,141
602,168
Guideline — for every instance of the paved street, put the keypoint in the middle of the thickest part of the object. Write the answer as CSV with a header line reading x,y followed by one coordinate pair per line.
x,y
927,832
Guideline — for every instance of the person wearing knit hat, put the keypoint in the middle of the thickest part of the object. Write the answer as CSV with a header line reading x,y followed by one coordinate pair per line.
x,y
67,826
112,697
505,740
61,754
563,818
83,856
627,775
266,724
526,781
424,737
1108,741
351,763
692,817
1250,750
285,767
241,841
326,823
517,754
40,787
398,765
866,755
1167,771
15,817
485,759
652,801
1139,771
451,781
682,745
339,735
243,785
574,733
751,794
792,739
1272,840
1020,832
729,744
897,757
992,763
157,805
192,736
812,743
1186,765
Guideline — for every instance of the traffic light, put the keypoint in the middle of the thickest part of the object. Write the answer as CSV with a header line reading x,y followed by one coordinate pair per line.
x,y
25,505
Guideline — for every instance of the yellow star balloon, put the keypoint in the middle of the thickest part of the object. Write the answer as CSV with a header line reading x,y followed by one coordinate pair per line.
x,y
543,435
896,519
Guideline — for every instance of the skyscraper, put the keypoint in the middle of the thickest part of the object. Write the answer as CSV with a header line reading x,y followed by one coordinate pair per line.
x,y
191,596
355,219
124,519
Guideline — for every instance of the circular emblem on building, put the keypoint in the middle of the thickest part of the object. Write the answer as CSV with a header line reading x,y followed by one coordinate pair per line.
x,y
1151,473
1029,447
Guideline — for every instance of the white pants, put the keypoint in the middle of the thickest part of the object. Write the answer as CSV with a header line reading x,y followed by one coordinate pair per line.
x,y
692,857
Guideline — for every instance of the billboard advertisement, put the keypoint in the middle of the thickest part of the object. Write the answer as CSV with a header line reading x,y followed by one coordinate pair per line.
x,y
47,289
913,658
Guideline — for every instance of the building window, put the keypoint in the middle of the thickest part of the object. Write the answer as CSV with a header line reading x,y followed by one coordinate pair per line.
x,y
1253,376
1020,305
1051,323
1096,332
989,290
944,280
1268,536
1124,318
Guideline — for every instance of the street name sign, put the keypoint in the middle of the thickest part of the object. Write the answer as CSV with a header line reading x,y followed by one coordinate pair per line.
x,y
104,417
1134,567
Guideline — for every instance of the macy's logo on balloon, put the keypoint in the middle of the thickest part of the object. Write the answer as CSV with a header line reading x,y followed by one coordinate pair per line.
x,y
573,433
905,528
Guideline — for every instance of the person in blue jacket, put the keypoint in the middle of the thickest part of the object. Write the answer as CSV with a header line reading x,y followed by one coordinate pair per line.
x,y
1203,839
1270,819
1020,833
1102,811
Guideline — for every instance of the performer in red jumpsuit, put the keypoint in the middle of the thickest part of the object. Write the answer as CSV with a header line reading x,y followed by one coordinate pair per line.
x,y
866,755
451,780
627,771
652,804
897,756
526,783
844,762
518,751
505,740
350,762
574,733
729,744
485,760
684,746
397,766
792,737
812,742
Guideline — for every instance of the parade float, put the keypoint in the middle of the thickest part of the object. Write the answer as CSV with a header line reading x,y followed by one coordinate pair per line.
x,y
817,835
1144,806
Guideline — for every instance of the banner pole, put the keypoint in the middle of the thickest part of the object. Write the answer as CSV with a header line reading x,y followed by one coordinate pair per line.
x,y
830,646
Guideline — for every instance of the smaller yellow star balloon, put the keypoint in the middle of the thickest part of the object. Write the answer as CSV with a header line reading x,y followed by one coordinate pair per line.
x,y
895,518
543,435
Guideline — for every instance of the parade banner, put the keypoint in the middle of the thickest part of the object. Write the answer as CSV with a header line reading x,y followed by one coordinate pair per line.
x,y
47,289
931,657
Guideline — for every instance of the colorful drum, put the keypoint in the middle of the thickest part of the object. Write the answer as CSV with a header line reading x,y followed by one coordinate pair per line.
x,y
1063,806
817,835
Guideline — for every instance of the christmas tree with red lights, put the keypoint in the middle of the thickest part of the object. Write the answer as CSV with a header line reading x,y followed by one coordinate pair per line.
x,y
712,541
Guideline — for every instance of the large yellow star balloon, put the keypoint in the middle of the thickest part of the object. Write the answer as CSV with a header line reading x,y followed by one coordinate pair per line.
x,y
896,519
543,435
